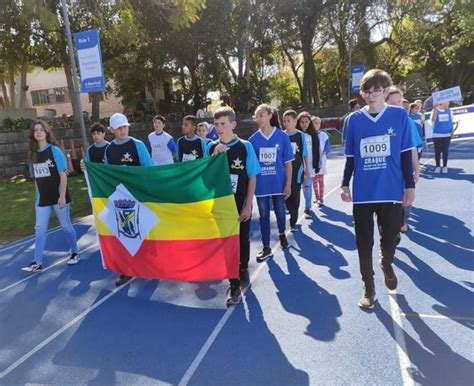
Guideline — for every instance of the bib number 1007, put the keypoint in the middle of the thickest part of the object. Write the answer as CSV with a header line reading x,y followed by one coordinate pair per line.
x,y
378,146
268,154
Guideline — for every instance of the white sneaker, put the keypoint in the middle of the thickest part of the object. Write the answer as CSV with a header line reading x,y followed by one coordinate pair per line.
x,y
445,169
33,267
74,259
437,170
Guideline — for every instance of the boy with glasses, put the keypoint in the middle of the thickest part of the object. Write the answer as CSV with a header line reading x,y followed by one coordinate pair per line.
x,y
378,153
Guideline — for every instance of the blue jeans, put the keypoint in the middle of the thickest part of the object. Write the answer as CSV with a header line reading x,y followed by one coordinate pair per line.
x,y
308,192
263,204
43,213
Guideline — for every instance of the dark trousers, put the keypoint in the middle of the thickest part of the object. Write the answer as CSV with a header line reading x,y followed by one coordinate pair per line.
x,y
244,241
293,202
389,219
441,145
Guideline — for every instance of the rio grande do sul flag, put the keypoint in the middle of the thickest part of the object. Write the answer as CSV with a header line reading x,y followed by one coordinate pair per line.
x,y
175,222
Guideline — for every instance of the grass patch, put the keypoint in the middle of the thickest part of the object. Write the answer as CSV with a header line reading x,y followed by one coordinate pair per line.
x,y
18,212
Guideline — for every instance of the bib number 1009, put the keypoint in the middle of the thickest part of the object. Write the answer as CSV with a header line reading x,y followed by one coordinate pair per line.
x,y
378,146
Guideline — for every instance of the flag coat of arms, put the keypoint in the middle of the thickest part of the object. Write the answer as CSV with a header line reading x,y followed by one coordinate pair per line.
x,y
175,222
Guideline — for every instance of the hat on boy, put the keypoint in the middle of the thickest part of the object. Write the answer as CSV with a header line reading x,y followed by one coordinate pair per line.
x,y
118,120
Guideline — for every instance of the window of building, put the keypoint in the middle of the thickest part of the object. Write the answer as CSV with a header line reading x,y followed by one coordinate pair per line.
x,y
50,96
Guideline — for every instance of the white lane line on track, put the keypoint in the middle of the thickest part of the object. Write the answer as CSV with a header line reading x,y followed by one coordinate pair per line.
x,y
48,340
402,351
60,261
220,325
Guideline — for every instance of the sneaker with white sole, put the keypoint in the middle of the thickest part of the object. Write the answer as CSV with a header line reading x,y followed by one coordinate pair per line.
x,y
444,170
307,214
33,267
368,298
437,170
264,254
74,259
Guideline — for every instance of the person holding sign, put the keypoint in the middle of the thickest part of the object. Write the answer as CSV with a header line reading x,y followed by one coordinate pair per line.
x,y
274,152
190,147
442,119
243,167
378,154
49,169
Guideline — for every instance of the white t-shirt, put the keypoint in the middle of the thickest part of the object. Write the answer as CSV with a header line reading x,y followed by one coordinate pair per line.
x,y
309,146
323,148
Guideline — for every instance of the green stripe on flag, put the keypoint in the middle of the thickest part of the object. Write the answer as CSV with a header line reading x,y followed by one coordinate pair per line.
x,y
194,181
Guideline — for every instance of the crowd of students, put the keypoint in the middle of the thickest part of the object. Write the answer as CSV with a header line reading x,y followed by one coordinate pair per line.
x,y
383,144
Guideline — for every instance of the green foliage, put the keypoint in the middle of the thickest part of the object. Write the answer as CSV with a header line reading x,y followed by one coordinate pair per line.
x,y
16,124
283,87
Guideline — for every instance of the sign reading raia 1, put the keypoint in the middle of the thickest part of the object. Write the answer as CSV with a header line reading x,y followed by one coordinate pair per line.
x,y
357,73
90,61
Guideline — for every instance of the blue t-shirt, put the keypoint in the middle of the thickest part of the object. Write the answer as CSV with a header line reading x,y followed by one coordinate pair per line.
x,y
94,148
126,149
272,154
252,166
298,154
443,123
415,132
376,145
212,134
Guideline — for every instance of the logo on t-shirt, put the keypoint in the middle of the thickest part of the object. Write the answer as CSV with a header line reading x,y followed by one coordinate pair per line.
x,y
127,157
237,164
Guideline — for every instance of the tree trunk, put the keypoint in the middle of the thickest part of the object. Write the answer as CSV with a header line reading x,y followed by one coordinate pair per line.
x,y
11,80
23,85
96,97
6,99
76,110
310,95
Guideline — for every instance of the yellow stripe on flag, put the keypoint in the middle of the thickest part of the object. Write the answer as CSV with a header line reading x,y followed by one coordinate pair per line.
x,y
208,219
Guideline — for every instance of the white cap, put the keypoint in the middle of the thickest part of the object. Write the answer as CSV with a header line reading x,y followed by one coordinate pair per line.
x,y
118,120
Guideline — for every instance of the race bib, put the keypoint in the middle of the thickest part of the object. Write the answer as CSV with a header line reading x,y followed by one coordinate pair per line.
x,y
188,157
268,154
41,170
234,180
378,146
443,117
294,147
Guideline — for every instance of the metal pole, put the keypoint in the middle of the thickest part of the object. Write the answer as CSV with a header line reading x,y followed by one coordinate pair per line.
x,y
349,82
77,93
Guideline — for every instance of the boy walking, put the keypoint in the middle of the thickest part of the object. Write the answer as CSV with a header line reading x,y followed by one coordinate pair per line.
x,y
244,167
96,151
378,153
163,148
190,147
125,150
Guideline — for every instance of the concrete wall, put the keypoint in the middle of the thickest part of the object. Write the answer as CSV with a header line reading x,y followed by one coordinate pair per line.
x,y
17,113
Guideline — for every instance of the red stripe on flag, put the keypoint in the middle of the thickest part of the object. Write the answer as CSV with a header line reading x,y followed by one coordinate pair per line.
x,y
182,260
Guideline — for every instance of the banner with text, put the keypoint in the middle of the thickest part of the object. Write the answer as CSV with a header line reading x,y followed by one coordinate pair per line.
x,y
90,61
357,73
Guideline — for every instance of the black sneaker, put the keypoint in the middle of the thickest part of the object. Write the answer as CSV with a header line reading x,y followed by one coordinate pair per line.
x,y
264,254
74,259
244,278
122,279
283,241
307,213
391,281
234,296
293,228
33,267
367,299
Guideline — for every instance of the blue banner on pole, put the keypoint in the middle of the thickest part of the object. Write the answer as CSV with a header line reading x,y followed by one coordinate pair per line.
x,y
90,61
357,72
